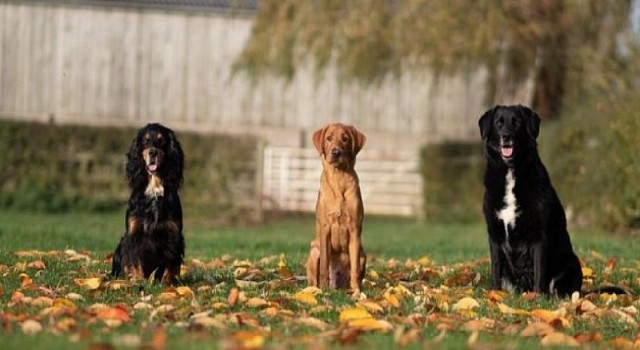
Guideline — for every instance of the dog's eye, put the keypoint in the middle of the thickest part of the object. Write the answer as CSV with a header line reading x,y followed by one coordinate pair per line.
x,y
329,138
499,123
345,138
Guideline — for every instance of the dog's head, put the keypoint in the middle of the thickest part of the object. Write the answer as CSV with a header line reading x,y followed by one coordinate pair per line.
x,y
509,130
339,144
155,151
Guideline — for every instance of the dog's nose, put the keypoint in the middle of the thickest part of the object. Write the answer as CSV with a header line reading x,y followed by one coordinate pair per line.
x,y
153,152
336,152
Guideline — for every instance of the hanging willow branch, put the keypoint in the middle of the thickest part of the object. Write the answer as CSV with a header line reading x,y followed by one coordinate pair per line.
x,y
369,39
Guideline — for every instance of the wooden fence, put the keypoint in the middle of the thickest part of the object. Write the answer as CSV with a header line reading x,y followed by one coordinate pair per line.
x,y
104,65
390,181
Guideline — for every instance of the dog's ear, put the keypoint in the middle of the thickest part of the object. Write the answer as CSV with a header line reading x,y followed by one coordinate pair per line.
x,y
359,139
485,123
135,166
318,138
175,160
532,121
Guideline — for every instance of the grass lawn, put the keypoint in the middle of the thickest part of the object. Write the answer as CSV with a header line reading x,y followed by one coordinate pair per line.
x,y
426,286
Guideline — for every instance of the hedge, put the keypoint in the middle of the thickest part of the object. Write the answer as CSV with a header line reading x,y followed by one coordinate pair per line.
x,y
55,168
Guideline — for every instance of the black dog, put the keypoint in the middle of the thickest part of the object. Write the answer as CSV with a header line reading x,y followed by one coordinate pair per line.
x,y
153,241
529,242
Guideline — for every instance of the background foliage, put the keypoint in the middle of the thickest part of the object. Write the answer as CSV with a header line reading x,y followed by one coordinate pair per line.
x,y
554,42
54,168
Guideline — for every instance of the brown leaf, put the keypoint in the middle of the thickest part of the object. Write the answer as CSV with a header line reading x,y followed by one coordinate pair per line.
x,y
537,329
232,299
370,305
25,280
611,264
248,339
159,339
256,302
369,324
38,265
113,313
558,339
496,295
545,315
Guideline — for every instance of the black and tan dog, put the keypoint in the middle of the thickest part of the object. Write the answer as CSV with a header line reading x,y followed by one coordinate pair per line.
x,y
529,243
337,258
153,241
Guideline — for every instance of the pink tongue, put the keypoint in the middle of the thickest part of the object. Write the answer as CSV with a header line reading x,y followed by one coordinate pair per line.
x,y
152,167
507,151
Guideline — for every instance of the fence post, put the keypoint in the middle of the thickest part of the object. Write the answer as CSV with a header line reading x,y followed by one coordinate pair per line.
x,y
259,181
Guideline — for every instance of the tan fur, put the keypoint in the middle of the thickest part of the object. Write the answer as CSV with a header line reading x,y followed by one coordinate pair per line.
x,y
337,257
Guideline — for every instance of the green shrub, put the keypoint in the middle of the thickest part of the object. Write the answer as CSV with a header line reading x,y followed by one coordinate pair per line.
x,y
593,156
54,168
452,174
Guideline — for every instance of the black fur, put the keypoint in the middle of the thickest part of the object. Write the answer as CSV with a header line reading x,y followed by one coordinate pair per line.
x,y
153,239
537,256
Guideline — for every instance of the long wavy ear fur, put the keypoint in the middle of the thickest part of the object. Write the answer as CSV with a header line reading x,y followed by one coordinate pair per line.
x,y
174,162
318,138
359,139
135,168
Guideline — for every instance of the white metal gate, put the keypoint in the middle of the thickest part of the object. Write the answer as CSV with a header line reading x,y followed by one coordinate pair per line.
x,y
390,181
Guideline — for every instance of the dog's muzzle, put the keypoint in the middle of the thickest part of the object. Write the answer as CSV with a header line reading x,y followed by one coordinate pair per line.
x,y
152,163
506,149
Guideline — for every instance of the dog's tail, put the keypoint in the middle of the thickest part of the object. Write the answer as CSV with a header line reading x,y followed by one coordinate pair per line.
x,y
608,289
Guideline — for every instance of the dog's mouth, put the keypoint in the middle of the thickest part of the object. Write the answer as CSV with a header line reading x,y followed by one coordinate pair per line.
x,y
152,167
506,151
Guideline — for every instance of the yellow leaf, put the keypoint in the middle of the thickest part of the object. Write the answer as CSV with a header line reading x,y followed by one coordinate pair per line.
x,y
545,315
248,340
88,283
370,324
64,303
466,304
373,274
119,284
312,290
391,299
256,302
185,291
587,272
353,314
209,322
305,298
511,311
371,306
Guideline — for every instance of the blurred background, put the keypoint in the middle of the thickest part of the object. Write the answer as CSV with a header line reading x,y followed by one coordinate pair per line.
x,y
245,83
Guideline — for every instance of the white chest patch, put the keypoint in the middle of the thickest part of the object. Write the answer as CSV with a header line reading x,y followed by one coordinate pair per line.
x,y
509,212
155,188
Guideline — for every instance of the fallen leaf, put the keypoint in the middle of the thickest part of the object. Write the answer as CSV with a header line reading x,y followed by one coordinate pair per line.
x,y
209,322
371,306
505,309
25,280
353,314
185,291
611,264
587,272
232,299
88,283
38,265
31,327
496,295
465,304
558,339
545,315
312,322
256,302
113,313
369,324
537,329
305,298
248,340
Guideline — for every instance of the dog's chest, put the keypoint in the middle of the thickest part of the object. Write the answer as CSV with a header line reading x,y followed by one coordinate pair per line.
x,y
509,212
155,188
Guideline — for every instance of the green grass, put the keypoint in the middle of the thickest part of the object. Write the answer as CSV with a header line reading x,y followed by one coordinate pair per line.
x,y
456,251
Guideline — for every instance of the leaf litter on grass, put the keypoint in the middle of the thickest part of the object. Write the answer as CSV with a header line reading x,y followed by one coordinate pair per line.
x,y
255,304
